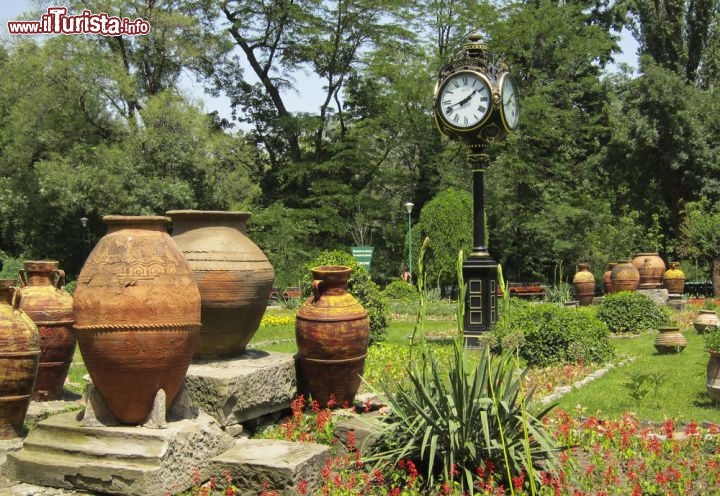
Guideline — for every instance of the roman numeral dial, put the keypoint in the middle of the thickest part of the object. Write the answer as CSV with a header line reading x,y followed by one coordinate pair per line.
x,y
464,100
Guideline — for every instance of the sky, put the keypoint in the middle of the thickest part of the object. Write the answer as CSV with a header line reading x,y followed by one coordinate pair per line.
x,y
309,94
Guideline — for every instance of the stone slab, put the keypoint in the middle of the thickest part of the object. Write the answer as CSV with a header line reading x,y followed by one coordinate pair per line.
x,y
243,388
658,295
134,461
276,465
365,428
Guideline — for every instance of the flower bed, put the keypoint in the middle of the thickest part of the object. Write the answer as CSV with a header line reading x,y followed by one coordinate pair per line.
x,y
619,457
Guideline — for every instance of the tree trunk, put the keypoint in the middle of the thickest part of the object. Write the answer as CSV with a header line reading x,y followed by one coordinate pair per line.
x,y
715,264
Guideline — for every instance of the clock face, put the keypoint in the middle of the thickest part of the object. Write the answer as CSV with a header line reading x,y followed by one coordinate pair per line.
x,y
464,100
510,103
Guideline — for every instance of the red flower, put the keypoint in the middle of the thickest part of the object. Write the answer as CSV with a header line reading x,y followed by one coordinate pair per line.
x,y
519,481
351,440
669,428
378,477
302,487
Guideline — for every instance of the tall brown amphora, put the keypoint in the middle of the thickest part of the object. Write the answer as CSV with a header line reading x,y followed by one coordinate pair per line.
x,y
332,332
584,285
674,279
651,269
137,315
19,355
234,276
607,279
625,277
51,308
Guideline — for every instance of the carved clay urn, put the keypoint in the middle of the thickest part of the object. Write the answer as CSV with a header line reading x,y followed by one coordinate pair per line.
x,y
712,371
651,268
234,276
706,321
584,285
624,276
670,340
19,355
137,315
606,280
51,308
674,279
332,332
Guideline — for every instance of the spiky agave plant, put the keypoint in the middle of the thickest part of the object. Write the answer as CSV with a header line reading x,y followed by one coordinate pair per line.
x,y
455,421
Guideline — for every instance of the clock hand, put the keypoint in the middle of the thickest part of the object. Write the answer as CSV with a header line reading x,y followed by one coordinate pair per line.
x,y
461,102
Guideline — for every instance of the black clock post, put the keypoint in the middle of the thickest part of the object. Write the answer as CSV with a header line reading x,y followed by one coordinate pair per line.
x,y
476,103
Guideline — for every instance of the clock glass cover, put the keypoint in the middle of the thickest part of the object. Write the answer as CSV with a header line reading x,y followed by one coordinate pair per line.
x,y
464,99
510,103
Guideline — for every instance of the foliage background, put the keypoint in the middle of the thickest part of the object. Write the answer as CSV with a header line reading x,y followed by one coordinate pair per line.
x,y
604,164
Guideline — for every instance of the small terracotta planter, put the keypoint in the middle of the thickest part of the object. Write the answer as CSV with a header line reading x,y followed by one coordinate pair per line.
x,y
706,321
670,340
332,332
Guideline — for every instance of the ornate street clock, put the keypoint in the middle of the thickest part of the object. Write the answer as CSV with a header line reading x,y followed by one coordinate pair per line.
x,y
476,102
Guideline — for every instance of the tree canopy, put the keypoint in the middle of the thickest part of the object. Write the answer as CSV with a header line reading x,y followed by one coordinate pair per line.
x,y
604,163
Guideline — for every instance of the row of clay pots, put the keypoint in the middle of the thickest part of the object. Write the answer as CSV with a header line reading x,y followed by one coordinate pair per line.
x,y
137,310
141,297
41,301
644,271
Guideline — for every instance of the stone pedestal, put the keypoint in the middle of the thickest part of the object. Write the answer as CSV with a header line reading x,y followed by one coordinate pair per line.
x,y
133,461
658,295
283,465
676,301
243,388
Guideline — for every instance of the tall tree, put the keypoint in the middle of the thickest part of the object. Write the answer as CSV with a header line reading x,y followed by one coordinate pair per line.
x,y
664,134
545,186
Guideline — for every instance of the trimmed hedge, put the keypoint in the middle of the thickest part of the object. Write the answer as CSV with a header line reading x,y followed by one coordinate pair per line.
x,y
546,334
400,291
631,312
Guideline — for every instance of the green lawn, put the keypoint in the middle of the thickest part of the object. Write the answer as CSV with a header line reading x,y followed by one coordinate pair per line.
x,y
680,395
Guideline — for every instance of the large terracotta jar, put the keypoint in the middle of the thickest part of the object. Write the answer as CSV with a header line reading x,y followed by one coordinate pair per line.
x,y
624,276
706,321
669,340
137,315
607,280
51,308
234,276
674,279
651,268
19,355
712,383
332,332
584,285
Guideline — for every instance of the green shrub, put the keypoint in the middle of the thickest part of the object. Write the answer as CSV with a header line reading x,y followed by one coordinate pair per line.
x,y
631,312
546,333
361,287
452,420
400,291
10,268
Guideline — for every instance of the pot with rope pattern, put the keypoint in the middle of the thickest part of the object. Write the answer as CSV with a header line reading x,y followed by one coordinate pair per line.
x,y
137,315
51,308
332,332
19,355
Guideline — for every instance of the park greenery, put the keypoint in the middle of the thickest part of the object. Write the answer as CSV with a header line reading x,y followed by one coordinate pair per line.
x,y
607,161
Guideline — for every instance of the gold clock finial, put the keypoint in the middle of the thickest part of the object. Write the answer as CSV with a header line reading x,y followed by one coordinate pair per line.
x,y
475,45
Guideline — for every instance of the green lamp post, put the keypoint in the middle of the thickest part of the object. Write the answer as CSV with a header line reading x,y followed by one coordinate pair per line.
x,y
409,208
